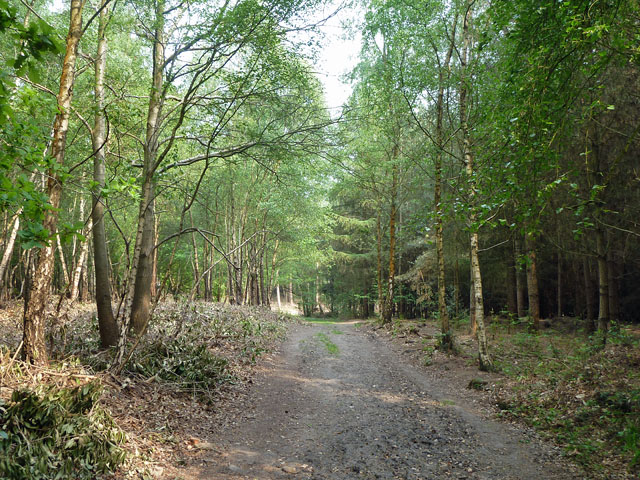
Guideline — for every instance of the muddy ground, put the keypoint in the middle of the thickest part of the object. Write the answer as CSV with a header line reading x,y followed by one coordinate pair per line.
x,y
340,401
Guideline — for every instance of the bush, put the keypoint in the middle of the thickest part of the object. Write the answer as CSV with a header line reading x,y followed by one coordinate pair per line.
x,y
58,433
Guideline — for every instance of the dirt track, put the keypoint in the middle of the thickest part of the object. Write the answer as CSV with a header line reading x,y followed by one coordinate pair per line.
x,y
364,412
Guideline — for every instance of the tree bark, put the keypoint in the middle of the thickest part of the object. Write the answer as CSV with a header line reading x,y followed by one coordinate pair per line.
x,y
379,257
465,79
144,247
8,250
473,326
603,282
278,291
34,349
446,340
521,286
196,261
388,310
80,265
532,280
512,288
613,275
589,294
559,289
107,324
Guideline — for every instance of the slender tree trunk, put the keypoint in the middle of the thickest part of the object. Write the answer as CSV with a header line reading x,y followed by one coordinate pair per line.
x,y
532,281
473,325
34,349
278,290
388,310
559,290
80,266
589,294
264,298
446,340
465,83
144,248
154,258
317,286
456,285
521,286
63,262
512,303
8,250
106,321
603,282
196,261
613,274
141,300
379,256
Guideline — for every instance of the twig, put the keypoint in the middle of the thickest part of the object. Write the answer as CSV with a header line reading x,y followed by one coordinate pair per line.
x,y
13,359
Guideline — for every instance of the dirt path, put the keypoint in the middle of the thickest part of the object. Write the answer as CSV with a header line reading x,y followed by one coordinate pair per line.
x,y
338,403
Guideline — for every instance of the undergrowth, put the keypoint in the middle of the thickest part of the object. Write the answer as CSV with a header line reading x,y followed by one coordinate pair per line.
x,y
51,433
567,386
52,428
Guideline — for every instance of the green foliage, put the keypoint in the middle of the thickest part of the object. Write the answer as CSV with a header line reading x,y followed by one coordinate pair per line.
x,y
58,433
331,347
190,365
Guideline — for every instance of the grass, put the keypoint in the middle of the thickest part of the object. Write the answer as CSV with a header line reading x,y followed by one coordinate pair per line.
x,y
332,348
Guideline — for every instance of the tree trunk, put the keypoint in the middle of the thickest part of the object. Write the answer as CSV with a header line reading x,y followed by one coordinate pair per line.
x,y
264,298
144,248
388,309
456,283
603,283
107,324
521,286
465,82
532,281
63,262
278,292
613,275
80,266
379,270
512,288
34,349
589,294
446,341
559,289
141,301
473,326
196,261
8,250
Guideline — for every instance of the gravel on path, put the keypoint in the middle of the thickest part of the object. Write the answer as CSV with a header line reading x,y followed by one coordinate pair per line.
x,y
337,403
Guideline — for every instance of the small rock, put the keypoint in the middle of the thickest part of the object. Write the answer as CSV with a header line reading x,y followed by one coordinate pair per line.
x,y
205,446
289,469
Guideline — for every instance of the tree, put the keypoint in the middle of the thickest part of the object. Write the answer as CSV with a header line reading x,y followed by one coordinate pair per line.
x,y
34,349
106,320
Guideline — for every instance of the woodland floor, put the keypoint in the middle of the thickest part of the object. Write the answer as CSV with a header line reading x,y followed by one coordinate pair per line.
x,y
343,400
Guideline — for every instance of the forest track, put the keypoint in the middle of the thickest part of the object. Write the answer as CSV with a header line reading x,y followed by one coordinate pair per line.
x,y
340,403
